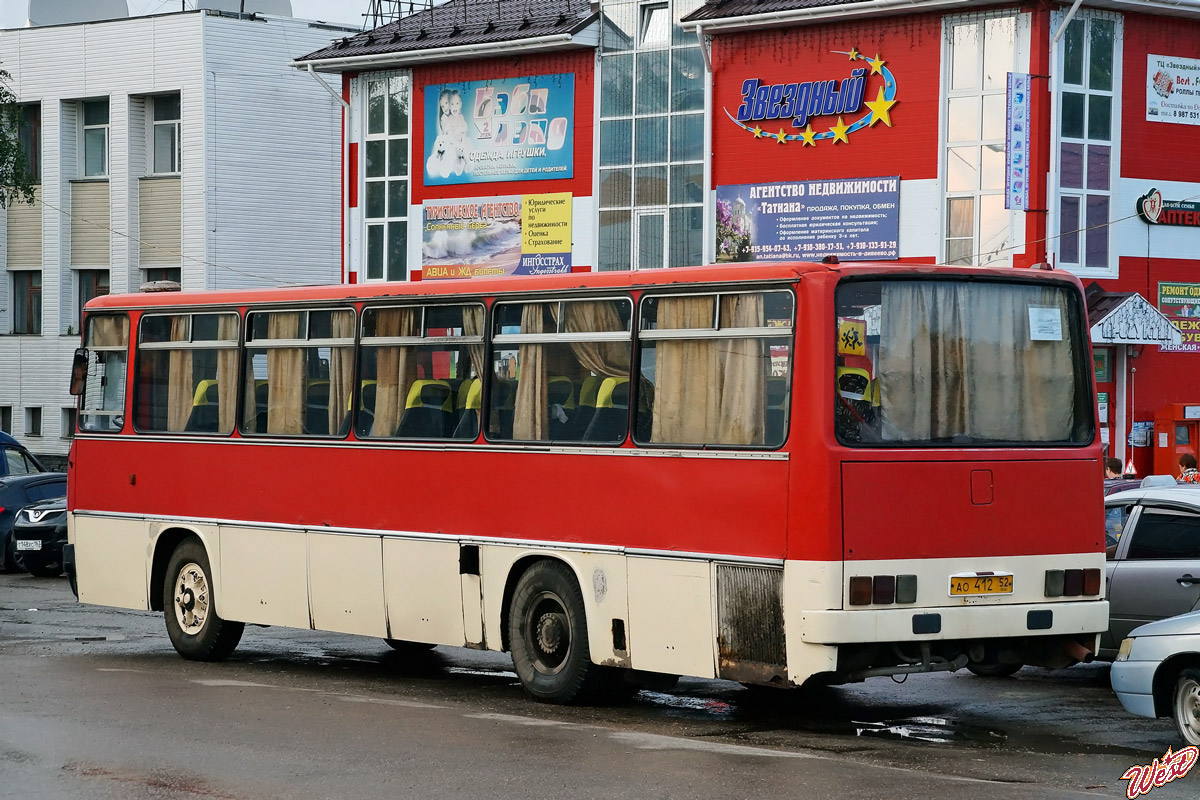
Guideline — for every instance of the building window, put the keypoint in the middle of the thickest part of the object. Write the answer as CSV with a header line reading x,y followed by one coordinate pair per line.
x,y
165,135
27,302
33,421
1088,129
29,138
981,53
95,138
651,138
68,423
385,178
6,419
164,274
92,283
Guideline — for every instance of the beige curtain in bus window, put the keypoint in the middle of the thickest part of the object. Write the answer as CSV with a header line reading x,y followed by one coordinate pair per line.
x,y
341,370
957,360
285,376
610,359
396,368
473,326
531,411
108,330
710,391
227,331
179,377
743,368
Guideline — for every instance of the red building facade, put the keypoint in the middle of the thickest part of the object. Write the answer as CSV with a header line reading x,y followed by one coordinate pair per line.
x,y
1029,135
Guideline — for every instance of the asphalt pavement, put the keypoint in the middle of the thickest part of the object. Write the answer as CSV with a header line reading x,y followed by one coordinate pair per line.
x,y
94,703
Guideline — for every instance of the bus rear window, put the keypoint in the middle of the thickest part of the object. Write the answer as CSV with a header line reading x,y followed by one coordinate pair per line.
x,y
960,363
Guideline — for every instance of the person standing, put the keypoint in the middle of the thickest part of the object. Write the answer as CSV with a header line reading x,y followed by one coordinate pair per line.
x,y
1187,469
1112,468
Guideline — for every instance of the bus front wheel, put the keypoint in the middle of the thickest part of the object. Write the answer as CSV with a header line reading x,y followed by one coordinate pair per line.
x,y
196,631
548,637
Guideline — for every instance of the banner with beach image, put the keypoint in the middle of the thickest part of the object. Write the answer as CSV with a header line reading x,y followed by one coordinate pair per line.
x,y
501,130
489,236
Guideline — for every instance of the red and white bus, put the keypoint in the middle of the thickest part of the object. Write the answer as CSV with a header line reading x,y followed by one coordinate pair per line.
x,y
766,473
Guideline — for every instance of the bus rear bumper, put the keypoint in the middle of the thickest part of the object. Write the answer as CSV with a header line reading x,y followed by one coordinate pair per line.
x,y
974,622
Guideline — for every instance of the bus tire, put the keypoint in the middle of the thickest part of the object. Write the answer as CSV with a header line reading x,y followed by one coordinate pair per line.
x,y
548,636
196,630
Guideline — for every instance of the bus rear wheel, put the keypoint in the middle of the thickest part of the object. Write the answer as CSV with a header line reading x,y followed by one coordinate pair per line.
x,y
548,636
196,630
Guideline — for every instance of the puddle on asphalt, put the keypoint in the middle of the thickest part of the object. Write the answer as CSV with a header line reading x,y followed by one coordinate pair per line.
x,y
823,717
701,707
928,729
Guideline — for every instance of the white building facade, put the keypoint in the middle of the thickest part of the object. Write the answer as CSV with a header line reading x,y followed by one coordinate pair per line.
x,y
173,147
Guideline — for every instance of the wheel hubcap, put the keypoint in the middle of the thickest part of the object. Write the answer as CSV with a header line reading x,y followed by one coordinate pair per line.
x,y
1187,710
191,598
548,632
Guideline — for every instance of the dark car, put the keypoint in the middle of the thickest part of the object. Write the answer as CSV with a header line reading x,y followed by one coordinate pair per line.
x,y
40,533
16,492
15,459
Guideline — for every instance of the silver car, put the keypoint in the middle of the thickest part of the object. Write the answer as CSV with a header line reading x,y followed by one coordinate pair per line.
x,y
1153,538
1157,673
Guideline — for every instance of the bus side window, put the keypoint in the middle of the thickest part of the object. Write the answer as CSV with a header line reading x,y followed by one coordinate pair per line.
x,y
187,373
727,389
421,369
561,371
299,372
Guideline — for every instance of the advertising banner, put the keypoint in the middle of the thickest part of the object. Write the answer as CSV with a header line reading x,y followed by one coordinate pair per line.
x,y
488,236
1173,90
1180,302
855,220
504,130
1016,143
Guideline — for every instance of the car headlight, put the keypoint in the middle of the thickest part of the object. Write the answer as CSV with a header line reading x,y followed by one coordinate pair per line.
x,y
1126,647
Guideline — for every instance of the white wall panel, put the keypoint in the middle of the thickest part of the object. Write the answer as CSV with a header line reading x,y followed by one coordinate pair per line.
x,y
275,173
267,135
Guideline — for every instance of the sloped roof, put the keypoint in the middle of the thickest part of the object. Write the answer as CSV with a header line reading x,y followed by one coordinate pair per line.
x,y
1127,318
462,23
720,9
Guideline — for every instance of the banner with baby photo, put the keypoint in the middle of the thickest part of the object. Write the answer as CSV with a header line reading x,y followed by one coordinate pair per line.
x,y
480,237
503,130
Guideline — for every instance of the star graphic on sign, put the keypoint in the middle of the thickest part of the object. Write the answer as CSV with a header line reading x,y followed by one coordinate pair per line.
x,y
839,132
853,53
809,136
880,109
781,136
757,131
876,64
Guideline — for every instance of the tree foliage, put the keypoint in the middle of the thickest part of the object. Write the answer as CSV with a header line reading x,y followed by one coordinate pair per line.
x,y
16,178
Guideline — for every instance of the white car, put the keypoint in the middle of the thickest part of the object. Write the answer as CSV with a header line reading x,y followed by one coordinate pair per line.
x,y
1157,673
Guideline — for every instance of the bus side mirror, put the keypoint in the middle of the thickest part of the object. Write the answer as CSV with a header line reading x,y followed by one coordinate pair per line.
x,y
79,371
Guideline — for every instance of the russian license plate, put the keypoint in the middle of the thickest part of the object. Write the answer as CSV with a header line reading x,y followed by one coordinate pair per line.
x,y
981,583
29,544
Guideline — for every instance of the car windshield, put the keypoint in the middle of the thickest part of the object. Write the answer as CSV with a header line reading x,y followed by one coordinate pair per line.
x,y
961,363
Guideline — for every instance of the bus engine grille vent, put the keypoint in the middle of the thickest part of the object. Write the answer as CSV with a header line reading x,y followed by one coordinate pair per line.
x,y
750,624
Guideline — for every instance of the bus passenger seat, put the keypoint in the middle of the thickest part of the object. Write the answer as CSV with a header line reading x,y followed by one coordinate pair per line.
x,y
206,409
366,408
316,408
587,403
427,411
472,402
610,423
560,392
